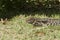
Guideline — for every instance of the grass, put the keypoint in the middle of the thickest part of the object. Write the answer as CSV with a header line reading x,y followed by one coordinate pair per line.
x,y
18,29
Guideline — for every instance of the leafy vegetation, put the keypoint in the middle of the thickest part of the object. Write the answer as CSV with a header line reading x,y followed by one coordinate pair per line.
x,y
10,8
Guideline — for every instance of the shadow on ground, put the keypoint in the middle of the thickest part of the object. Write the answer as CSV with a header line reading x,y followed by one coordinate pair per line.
x,y
12,13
